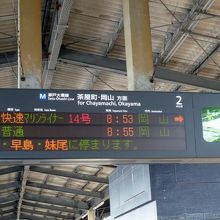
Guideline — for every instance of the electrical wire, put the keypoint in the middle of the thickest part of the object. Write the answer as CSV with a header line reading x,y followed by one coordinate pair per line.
x,y
100,79
92,39
9,63
176,6
9,35
160,26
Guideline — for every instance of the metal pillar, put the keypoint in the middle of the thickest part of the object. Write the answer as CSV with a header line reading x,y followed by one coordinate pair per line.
x,y
91,215
29,44
138,44
29,59
130,190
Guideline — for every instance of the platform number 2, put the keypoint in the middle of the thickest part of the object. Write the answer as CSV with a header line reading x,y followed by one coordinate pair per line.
x,y
179,103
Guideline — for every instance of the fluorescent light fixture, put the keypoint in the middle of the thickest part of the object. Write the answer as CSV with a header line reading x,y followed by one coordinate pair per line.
x,y
84,216
97,206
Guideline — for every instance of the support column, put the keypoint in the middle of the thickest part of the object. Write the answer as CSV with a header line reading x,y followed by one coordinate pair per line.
x,y
29,44
138,44
130,190
91,215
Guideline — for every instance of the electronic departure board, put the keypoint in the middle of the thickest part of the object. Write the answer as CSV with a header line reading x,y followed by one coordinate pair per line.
x,y
65,124
95,131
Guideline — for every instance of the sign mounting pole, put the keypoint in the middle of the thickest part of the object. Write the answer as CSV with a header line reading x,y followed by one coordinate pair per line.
x,y
138,44
29,44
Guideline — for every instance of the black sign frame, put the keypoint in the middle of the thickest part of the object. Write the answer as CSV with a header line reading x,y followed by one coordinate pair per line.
x,y
27,100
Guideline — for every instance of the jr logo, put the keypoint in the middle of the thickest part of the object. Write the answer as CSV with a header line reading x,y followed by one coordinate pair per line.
x,y
43,96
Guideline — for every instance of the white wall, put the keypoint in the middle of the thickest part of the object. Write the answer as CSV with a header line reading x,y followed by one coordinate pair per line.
x,y
146,212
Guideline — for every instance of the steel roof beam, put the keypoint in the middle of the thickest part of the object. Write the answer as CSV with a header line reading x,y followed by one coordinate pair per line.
x,y
202,60
9,198
187,79
8,217
8,211
178,37
59,28
92,61
51,207
119,66
95,201
9,204
115,36
45,21
56,201
31,217
11,170
22,191
69,174
46,214
10,185
64,189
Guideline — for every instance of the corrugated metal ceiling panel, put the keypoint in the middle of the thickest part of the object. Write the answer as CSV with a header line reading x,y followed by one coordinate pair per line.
x,y
164,86
215,9
70,76
8,24
93,22
8,77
